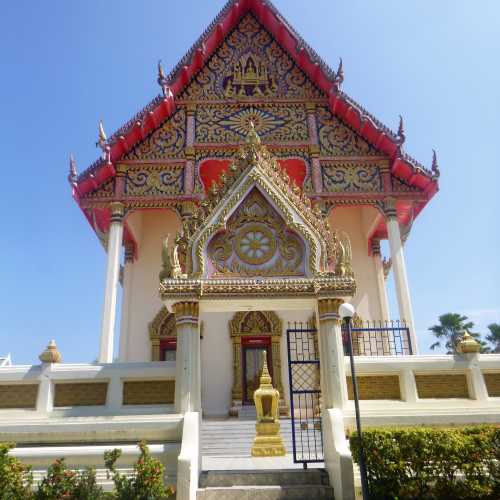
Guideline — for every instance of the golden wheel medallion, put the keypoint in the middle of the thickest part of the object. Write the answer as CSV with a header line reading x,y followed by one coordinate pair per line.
x,y
255,244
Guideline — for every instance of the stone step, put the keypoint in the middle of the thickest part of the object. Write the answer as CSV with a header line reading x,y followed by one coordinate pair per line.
x,y
311,492
292,484
273,477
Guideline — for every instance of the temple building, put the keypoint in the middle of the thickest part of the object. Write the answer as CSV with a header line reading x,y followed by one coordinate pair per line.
x,y
238,210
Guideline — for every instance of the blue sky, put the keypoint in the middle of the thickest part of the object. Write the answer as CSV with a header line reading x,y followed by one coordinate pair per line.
x,y
66,64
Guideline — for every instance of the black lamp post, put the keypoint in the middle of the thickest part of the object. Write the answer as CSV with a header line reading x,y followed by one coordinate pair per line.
x,y
346,312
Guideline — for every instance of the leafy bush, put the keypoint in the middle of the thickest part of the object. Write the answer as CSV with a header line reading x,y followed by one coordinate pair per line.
x,y
430,463
147,481
63,483
16,480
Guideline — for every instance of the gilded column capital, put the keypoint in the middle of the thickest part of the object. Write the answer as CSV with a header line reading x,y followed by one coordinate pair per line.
x,y
311,107
186,312
390,207
121,169
314,150
329,308
117,209
189,153
190,109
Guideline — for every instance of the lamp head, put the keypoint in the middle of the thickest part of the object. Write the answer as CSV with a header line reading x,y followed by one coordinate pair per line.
x,y
347,311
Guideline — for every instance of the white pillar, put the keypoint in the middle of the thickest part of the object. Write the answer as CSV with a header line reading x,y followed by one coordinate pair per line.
x,y
332,364
399,269
45,397
112,278
128,270
188,362
382,289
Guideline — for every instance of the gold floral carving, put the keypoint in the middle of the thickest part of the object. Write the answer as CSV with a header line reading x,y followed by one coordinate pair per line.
x,y
155,180
256,323
105,190
228,123
167,141
337,139
250,64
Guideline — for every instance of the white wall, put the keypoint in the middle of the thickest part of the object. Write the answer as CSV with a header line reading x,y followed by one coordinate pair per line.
x,y
150,227
356,221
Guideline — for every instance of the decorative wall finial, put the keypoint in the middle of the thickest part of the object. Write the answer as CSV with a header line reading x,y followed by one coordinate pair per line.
x,y
435,167
467,344
73,174
339,76
163,82
252,136
401,132
50,354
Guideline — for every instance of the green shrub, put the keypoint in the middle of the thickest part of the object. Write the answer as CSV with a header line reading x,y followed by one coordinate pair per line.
x,y
64,483
431,463
147,481
16,479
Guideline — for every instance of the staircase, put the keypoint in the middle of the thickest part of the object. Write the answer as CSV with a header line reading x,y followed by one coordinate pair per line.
x,y
234,437
230,473
293,484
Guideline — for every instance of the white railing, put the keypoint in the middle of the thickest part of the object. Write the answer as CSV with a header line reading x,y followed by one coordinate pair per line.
x,y
114,375
479,403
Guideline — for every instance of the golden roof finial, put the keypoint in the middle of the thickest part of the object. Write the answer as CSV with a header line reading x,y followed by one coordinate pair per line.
x,y
265,376
252,136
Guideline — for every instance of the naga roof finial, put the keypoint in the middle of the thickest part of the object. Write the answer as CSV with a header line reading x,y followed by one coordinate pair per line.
x,y
401,132
252,136
435,167
163,81
73,174
102,140
339,76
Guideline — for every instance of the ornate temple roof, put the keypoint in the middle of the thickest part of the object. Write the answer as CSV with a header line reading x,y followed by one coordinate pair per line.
x,y
329,81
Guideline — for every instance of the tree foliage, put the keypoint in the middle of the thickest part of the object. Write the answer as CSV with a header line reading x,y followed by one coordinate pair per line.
x,y
449,330
494,337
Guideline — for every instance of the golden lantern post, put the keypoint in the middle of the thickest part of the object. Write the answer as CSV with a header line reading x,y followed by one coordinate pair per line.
x,y
268,441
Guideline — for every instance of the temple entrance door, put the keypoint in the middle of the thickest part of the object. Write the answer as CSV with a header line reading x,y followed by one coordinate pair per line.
x,y
252,348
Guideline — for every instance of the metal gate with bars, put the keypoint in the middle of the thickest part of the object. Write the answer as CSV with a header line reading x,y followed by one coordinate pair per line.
x,y
305,393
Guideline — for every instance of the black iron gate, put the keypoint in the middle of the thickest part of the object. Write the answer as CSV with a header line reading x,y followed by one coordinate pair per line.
x,y
305,392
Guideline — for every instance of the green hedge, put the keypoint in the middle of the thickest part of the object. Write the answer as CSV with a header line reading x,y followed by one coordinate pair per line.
x,y
431,463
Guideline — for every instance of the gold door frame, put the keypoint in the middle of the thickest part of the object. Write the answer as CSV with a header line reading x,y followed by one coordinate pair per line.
x,y
162,326
256,323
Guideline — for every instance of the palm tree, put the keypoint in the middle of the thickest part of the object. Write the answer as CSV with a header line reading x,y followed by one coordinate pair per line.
x,y
450,329
494,337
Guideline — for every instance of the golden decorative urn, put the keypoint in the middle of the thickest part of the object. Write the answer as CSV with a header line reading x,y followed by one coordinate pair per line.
x,y
268,441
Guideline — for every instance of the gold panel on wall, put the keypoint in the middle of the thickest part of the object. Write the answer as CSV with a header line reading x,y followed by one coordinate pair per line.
x,y
80,394
148,392
18,396
492,381
376,387
442,386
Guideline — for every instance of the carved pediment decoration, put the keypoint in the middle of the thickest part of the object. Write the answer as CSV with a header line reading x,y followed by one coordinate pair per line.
x,y
256,242
255,323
